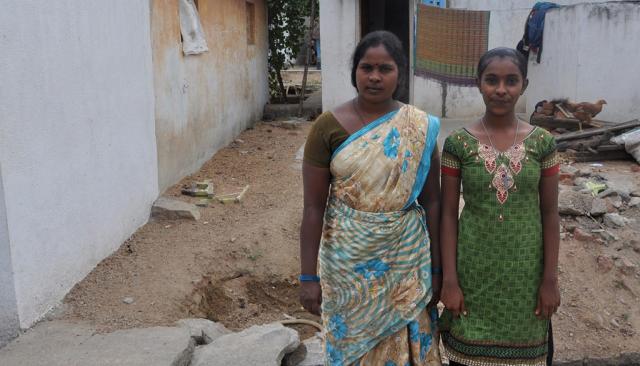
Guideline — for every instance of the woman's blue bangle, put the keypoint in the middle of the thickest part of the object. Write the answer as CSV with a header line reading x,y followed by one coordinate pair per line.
x,y
308,278
436,270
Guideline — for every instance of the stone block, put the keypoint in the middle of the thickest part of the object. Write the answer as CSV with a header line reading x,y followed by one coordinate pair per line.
x,y
170,209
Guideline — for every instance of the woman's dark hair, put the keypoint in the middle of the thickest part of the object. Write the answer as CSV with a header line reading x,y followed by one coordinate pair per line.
x,y
503,52
393,46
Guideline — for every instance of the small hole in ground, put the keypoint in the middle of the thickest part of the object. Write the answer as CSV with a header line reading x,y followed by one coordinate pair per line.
x,y
241,301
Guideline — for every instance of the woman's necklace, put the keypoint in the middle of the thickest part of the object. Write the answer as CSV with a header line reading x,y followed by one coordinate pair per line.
x,y
355,107
515,137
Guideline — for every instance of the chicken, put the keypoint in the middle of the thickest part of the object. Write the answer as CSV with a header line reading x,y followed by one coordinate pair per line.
x,y
582,116
591,108
585,111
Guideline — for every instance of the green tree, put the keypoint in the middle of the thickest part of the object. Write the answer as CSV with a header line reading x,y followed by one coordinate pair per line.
x,y
286,35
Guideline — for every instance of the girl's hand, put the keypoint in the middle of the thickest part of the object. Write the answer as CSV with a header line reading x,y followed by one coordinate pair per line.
x,y
548,299
311,296
453,299
436,289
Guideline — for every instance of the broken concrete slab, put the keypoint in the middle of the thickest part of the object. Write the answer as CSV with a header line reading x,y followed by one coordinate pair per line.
x,y
315,352
614,220
574,203
170,209
598,207
60,343
259,345
203,331
618,182
296,357
634,201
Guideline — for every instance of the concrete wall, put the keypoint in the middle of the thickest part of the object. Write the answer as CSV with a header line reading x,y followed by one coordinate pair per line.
x,y
204,101
340,33
591,51
8,308
77,141
506,27
507,4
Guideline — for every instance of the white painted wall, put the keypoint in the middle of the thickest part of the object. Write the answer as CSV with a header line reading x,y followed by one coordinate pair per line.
x,y
340,33
591,51
506,27
8,308
507,4
77,141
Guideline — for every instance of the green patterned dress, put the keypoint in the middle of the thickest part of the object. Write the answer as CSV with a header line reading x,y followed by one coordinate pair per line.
x,y
500,250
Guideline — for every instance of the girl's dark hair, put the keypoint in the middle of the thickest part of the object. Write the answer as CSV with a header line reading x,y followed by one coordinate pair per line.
x,y
393,46
503,52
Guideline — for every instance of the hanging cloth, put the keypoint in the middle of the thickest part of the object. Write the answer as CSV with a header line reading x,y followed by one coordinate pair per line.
x,y
534,29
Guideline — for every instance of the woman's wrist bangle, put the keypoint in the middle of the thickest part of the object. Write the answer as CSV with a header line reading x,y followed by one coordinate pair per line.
x,y
308,278
436,270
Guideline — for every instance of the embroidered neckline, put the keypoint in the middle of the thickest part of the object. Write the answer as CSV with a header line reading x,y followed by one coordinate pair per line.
x,y
503,175
529,135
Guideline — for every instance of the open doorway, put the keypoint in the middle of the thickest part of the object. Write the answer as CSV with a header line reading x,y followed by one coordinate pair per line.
x,y
393,16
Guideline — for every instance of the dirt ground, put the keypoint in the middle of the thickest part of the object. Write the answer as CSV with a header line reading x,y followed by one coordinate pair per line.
x,y
238,263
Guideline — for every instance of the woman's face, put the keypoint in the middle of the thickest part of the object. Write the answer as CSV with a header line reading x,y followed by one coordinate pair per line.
x,y
376,75
501,84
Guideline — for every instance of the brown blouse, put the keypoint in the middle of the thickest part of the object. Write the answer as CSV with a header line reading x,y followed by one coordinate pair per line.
x,y
326,135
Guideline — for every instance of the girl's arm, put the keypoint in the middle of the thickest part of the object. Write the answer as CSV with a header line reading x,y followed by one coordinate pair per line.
x,y
430,199
452,296
549,294
316,190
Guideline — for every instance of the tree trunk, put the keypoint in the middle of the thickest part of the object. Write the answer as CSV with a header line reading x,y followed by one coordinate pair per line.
x,y
307,41
283,91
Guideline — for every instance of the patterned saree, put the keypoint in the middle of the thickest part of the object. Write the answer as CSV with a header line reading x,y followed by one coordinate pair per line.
x,y
375,262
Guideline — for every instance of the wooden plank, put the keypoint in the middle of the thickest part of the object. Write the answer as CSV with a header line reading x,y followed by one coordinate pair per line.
x,y
552,122
611,147
585,156
597,131
583,144
564,111
565,123
605,123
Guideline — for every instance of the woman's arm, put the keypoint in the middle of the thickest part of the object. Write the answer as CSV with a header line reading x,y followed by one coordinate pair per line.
x,y
452,296
316,190
549,294
430,199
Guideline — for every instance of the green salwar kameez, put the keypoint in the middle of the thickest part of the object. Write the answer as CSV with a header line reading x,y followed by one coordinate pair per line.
x,y
499,250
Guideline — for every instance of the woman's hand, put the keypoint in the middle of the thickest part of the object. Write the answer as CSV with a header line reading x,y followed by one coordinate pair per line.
x,y
311,296
436,287
548,299
453,299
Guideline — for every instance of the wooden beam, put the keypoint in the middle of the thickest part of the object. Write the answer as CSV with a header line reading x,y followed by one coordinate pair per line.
x,y
597,131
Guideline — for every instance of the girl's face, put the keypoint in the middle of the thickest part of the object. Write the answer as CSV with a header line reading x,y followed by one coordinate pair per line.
x,y
501,84
376,75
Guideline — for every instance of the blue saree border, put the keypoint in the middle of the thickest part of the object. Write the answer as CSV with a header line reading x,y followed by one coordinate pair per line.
x,y
356,135
425,164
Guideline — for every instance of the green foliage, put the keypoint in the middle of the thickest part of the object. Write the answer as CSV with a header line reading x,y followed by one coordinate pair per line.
x,y
286,35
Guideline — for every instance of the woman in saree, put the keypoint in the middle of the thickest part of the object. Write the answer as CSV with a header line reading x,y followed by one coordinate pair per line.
x,y
369,235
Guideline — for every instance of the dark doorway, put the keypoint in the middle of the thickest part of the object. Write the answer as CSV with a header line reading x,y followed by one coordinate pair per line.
x,y
393,16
